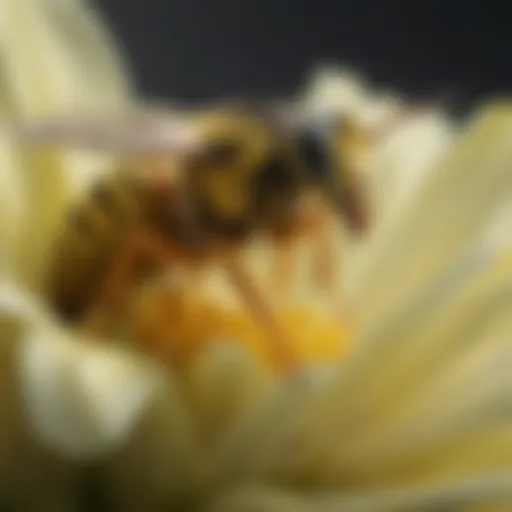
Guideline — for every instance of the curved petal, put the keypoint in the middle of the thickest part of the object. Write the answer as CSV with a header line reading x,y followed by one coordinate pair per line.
x,y
55,57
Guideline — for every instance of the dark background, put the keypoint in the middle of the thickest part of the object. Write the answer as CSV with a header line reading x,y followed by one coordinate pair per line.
x,y
198,49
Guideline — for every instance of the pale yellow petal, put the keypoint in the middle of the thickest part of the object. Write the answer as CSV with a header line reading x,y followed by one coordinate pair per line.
x,y
457,202
56,57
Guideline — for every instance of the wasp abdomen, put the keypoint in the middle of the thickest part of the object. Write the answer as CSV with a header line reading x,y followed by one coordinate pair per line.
x,y
91,236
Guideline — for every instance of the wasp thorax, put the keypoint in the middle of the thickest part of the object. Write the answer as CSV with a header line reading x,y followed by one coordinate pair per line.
x,y
232,177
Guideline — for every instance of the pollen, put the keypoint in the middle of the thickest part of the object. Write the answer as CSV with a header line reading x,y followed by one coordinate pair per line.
x,y
176,323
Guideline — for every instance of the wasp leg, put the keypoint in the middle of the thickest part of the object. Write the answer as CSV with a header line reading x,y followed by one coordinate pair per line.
x,y
139,247
315,224
283,266
262,312
307,221
325,255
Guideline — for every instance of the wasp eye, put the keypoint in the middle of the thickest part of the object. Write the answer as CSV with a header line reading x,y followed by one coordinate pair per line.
x,y
221,152
314,155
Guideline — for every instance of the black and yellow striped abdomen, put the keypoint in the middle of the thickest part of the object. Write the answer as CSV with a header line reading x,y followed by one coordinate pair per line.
x,y
91,235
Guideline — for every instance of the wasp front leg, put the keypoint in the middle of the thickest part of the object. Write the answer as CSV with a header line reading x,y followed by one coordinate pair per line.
x,y
316,225
283,269
305,223
325,260
262,312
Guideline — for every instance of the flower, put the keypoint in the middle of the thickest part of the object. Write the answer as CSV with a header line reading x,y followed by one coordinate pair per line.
x,y
415,416
57,58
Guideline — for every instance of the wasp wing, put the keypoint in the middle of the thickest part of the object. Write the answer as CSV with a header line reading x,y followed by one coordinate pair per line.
x,y
125,135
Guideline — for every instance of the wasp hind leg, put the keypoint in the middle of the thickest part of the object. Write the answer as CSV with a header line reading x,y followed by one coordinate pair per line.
x,y
139,248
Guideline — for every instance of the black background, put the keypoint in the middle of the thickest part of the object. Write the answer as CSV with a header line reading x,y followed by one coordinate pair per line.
x,y
198,49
